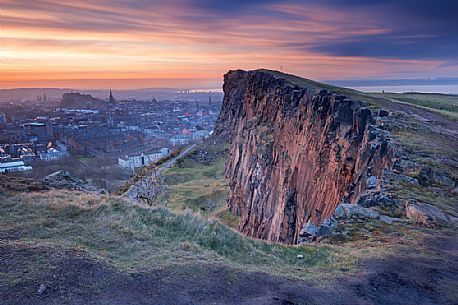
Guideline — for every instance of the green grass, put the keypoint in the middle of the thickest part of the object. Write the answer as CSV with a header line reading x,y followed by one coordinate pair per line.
x,y
442,103
189,223
432,195
200,188
199,185
136,237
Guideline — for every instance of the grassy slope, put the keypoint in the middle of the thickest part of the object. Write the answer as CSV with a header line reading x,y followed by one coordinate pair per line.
x,y
445,104
135,237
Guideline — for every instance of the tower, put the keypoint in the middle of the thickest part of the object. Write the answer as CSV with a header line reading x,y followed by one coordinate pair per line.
x,y
112,99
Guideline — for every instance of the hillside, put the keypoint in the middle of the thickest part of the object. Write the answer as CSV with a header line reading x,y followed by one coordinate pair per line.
x,y
185,247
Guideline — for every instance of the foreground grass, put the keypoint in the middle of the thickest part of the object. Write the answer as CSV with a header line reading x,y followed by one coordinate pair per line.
x,y
188,224
135,237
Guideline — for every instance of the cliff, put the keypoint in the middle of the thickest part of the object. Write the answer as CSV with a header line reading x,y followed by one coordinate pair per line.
x,y
297,151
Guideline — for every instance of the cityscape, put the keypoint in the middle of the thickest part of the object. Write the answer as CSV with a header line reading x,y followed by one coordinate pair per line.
x,y
126,133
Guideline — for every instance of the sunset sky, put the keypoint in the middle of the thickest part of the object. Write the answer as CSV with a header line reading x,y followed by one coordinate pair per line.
x,y
192,43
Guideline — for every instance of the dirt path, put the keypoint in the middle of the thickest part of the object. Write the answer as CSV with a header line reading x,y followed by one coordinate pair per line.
x,y
138,189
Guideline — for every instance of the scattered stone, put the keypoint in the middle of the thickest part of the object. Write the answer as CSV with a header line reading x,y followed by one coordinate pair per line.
x,y
426,214
310,229
383,113
408,179
430,176
377,199
372,182
345,210
41,289
406,164
326,227
389,220
63,180
311,232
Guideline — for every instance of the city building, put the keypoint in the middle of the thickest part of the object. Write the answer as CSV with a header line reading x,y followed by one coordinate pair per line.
x,y
38,132
180,139
14,166
52,154
143,159
2,118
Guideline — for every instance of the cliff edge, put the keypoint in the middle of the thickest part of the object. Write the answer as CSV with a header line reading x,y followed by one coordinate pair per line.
x,y
297,152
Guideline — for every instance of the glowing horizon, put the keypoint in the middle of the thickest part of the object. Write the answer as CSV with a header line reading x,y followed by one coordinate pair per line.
x,y
113,44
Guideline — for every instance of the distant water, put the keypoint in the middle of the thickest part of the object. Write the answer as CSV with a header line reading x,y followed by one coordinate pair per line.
x,y
449,89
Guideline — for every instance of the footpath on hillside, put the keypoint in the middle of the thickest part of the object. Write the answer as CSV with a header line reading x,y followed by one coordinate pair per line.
x,y
146,187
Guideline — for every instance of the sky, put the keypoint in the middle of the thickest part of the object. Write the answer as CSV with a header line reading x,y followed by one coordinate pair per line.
x,y
126,44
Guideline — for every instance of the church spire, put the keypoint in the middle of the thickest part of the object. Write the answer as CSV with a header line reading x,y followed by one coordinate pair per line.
x,y
112,99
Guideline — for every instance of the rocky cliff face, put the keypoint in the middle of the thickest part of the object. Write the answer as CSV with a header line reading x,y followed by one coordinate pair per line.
x,y
296,152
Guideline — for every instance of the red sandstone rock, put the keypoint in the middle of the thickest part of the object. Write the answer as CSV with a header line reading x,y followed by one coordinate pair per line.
x,y
296,152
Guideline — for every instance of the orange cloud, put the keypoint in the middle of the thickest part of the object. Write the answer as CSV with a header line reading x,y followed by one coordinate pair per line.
x,y
49,43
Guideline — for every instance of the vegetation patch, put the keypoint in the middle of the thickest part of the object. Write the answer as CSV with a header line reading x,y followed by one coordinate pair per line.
x,y
445,104
197,182
136,237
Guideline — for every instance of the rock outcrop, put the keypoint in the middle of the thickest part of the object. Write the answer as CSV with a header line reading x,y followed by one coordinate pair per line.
x,y
81,101
297,152
427,215
60,180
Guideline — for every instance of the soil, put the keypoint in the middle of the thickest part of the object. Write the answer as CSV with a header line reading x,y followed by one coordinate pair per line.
x,y
73,277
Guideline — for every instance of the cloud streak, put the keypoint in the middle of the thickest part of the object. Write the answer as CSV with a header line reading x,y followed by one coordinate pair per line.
x,y
148,39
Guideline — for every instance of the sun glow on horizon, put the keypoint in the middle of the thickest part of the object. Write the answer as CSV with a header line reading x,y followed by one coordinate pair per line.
x,y
48,43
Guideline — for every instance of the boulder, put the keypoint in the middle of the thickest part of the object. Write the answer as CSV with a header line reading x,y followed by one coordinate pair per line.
x,y
310,229
372,182
352,211
408,179
311,232
426,214
345,210
41,289
389,220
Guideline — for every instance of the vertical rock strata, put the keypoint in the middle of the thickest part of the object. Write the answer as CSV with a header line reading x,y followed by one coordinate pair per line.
x,y
296,152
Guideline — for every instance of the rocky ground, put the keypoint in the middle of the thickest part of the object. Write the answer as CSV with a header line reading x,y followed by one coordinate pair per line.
x,y
59,180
